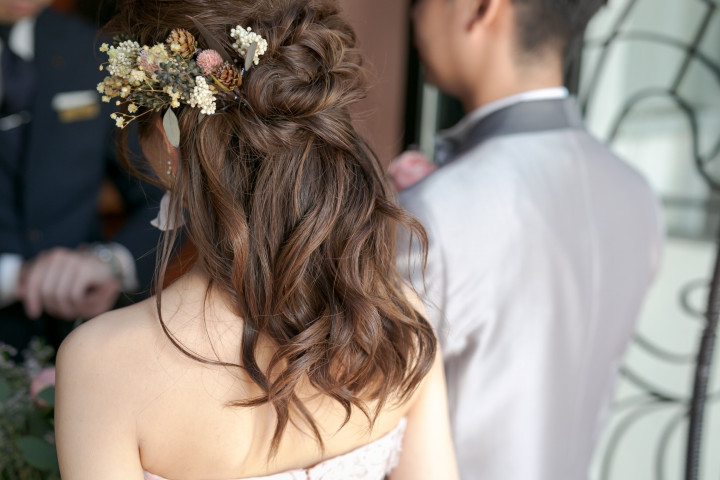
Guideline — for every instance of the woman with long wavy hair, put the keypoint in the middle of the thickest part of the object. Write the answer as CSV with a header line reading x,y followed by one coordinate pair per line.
x,y
292,348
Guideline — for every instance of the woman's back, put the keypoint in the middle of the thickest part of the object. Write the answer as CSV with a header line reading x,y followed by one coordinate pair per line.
x,y
178,407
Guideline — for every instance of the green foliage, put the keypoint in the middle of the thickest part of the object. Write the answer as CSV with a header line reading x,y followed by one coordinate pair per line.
x,y
38,453
5,391
48,396
27,434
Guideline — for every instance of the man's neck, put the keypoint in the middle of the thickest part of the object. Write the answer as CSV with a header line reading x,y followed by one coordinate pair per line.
x,y
515,81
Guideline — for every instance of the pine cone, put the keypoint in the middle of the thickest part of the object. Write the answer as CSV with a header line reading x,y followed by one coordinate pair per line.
x,y
181,42
228,76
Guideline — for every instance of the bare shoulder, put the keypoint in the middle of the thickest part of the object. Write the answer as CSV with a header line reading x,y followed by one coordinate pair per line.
x,y
109,345
98,394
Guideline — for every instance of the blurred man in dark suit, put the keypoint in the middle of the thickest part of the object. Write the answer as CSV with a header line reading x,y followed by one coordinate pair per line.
x,y
56,149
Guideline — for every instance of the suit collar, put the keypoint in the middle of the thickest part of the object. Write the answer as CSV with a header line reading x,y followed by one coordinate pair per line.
x,y
522,117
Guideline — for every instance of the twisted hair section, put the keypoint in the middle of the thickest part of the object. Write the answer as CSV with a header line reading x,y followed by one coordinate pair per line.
x,y
291,213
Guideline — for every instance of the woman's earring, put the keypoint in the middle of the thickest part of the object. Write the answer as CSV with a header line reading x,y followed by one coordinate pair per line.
x,y
169,169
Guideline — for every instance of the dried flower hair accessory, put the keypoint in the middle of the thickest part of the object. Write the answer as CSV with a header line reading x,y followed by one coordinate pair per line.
x,y
167,75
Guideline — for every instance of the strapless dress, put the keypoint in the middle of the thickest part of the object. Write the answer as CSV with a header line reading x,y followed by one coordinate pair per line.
x,y
369,462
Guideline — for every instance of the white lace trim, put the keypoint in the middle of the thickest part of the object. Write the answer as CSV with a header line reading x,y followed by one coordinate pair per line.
x,y
369,462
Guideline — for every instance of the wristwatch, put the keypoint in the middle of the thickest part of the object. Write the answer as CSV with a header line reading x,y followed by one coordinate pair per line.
x,y
107,255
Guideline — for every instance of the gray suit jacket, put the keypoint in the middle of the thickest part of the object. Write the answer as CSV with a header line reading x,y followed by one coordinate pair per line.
x,y
542,246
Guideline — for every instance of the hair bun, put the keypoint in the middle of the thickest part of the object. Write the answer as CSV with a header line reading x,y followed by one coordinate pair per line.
x,y
311,67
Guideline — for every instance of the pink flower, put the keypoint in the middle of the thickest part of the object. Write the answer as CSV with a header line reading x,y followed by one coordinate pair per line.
x,y
146,62
43,380
409,168
209,61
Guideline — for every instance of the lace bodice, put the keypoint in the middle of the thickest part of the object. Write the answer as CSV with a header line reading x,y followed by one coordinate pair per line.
x,y
369,462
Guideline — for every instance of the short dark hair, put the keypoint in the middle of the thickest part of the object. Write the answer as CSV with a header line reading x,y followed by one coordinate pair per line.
x,y
553,24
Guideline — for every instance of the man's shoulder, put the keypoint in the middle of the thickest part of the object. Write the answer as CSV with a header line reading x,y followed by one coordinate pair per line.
x,y
480,171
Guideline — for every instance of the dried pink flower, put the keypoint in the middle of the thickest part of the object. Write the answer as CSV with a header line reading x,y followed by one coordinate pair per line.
x,y
210,61
145,62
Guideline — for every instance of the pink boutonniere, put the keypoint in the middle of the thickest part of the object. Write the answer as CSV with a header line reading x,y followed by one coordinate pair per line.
x,y
408,169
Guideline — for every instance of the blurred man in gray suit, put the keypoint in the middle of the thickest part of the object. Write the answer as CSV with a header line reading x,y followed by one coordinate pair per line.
x,y
542,242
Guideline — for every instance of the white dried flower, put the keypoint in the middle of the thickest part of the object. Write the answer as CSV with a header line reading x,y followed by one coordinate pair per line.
x,y
244,38
137,78
203,97
123,58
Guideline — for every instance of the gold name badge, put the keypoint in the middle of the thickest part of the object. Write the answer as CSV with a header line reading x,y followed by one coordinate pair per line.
x,y
77,114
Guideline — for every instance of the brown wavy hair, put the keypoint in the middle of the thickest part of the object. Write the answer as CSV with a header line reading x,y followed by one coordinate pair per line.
x,y
291,213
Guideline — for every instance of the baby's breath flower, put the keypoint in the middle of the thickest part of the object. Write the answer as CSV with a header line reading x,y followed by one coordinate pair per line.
x,y
132,108
106,99
122,58
104,47
137,77
244,38
203,97
120,122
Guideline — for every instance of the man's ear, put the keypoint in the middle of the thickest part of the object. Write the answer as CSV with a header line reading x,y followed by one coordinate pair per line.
x,y
485,12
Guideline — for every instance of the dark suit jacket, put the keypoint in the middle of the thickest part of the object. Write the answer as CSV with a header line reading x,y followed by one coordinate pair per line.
x,y
49,195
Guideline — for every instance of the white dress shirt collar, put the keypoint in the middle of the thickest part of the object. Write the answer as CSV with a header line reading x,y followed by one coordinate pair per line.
x,y
22,39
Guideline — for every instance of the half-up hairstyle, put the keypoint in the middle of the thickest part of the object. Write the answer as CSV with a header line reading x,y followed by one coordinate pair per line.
x,y
290,210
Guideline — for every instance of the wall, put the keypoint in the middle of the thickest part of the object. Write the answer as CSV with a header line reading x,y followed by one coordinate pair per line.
x,y
674,116
382,27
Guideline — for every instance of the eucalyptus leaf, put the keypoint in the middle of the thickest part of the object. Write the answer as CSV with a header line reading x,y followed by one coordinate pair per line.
x,y
48,396
250,55
172,128
5,390
38,453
